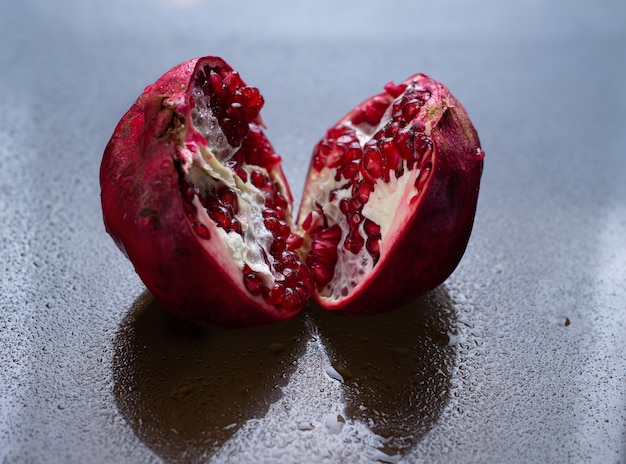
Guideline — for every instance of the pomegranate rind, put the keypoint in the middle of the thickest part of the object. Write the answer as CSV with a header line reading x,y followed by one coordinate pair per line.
x,y
143,210
430,232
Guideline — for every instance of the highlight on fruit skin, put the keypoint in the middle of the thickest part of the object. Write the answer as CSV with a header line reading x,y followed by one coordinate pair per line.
x,y
193,193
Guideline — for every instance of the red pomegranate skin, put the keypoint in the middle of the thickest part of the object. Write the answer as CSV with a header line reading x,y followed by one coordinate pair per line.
x,y
420,253
144,212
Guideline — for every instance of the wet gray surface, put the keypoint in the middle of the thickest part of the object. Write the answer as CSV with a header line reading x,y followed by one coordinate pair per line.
x,y
519,357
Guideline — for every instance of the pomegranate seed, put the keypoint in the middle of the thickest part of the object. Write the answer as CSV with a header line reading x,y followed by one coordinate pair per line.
x,y
321,155
253,282
324,248
361,191
303,290
423,147
216,85
269,199
271,223
201,78
395,90
326,260
242,173
355,205
229,199
288,259
310,219
354,220
235,226
232,81
371,228
270,213
252,97
390,156
283,230
391,129
221,216
354,152
290,298
373,163
375,109
290,277
201,231
359,117
275,295
410,109
302,273
235,111
258,179
335,156
404,143
294,242
373,247
350,170
332,234
334,133
320,274
354,242
249,114
278,245
423,176
396,113
280,201
344,206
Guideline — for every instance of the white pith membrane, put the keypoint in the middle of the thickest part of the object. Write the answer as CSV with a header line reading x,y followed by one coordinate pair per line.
x,y
384,208
206,171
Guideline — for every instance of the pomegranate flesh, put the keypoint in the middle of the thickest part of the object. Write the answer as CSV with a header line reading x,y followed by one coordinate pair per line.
x,y
390,198
194,194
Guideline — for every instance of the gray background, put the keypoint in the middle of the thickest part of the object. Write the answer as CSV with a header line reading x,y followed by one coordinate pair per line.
x,y
544,83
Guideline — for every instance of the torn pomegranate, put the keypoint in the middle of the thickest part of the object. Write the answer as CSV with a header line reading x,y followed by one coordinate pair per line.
x,y
194,194
396,180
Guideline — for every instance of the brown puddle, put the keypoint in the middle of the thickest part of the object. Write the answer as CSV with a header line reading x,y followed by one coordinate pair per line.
x,y
396,366
186,390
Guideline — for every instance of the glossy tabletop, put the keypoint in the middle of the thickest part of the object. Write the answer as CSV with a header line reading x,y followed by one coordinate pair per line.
x,y
518,357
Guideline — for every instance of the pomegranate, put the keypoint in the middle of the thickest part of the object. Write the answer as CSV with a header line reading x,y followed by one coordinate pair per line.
x,y
390,198
193,193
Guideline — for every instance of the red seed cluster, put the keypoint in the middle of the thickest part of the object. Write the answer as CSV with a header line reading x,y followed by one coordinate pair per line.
x,y
236,108
398,146
292,285
234,104
323,254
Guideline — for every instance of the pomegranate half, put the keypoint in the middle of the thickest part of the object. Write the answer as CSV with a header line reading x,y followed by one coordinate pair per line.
x,y
390,198
193,193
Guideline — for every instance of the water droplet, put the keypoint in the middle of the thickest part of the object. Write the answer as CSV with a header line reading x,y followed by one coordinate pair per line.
x,y
334,424
304,426
333,374
561,320
276,348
